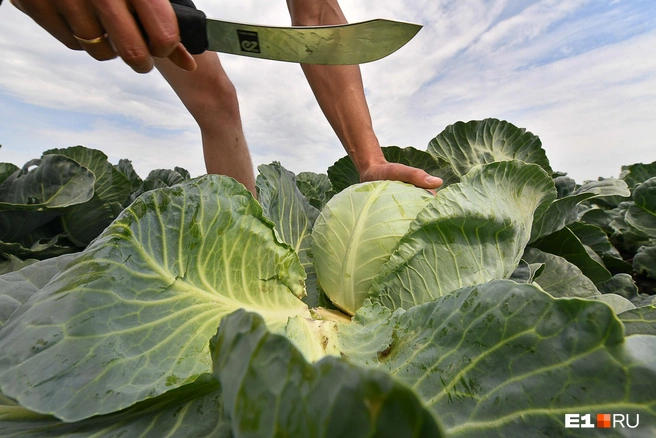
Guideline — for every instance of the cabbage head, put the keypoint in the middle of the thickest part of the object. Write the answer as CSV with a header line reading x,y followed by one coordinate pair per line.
x,y
355,234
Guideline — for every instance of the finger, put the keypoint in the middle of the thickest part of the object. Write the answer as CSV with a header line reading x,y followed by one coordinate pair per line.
x,y
182,58
425,181
46,15
417,177
431,182
124,33
86,29
160,24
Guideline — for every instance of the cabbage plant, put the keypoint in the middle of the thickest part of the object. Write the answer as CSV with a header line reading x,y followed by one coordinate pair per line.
x,y
492,308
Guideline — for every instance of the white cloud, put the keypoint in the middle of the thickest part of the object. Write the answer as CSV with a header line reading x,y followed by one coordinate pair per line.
x,y
591,104
146,152
527,25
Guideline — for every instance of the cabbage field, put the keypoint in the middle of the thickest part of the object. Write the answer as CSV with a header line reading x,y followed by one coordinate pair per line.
x,y
514,302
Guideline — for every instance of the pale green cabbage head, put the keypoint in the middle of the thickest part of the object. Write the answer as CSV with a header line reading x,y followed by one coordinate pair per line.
x,y
355,234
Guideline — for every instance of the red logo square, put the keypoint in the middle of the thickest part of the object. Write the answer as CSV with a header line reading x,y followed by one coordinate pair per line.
x,y
603,421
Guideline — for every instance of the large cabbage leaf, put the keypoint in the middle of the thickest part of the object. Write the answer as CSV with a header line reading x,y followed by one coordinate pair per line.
x,y
6,170
566,244
471,233
507,359
466,145
560,278
33,196
17,287
641,320
84,222
638,173
529,359
130,318
110,185
316,187
598,241
193,410
54,181
563,211
294,217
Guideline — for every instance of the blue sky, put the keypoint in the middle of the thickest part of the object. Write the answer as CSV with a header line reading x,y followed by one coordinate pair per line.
x,y
580,74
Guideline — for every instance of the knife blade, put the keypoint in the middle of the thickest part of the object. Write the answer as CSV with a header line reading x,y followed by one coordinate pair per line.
x,y
355,43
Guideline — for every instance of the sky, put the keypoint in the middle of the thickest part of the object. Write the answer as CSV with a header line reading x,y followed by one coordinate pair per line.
x,y
580,74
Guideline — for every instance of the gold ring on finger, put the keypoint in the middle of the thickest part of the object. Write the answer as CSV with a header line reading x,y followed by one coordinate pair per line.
x,y
96,40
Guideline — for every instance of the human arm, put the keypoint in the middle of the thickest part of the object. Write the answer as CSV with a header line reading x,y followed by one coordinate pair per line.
x,y
93,19
340,94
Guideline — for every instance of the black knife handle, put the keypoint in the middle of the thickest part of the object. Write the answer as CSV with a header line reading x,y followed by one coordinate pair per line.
x,y
192,25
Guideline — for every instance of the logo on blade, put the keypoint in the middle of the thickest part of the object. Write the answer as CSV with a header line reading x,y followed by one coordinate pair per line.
x,y
248,41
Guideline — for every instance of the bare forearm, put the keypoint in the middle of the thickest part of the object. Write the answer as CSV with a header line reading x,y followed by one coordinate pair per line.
x,y
339,92
338,89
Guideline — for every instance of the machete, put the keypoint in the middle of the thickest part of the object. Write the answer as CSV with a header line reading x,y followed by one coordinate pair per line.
x,y
355,43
